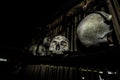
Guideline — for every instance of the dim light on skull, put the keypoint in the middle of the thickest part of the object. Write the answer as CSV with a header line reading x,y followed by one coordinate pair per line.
x,y
59,44
93,29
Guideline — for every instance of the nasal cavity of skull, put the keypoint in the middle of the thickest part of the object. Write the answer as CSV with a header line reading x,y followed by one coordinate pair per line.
x,y
57,47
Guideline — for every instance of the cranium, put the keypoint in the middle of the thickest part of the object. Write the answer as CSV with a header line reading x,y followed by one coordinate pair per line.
x,y
93,30
59,44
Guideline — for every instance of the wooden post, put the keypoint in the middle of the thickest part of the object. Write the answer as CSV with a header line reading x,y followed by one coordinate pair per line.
x,y
116,24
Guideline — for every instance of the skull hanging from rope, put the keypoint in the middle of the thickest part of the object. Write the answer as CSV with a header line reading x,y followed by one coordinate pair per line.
x,y
94,28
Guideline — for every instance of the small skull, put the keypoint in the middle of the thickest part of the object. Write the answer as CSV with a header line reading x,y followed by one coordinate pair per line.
x,y
46,41
93,30
38,50
41,51
59,44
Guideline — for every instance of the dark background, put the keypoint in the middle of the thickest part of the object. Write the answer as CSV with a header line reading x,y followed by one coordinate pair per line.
x,y
19,20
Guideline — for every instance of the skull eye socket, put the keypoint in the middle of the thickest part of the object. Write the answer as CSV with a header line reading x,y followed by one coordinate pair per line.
x,y
63,43
54,42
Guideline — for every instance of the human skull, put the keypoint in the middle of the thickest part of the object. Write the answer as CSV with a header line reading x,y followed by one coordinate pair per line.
x,y
38,50
46,41
93,30
41,50
59,44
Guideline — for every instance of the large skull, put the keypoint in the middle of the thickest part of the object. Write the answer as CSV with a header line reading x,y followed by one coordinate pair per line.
x,y
93,30
59,44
